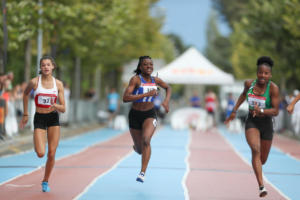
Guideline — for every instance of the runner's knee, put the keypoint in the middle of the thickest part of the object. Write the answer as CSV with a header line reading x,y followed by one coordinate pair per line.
x,y
255,149
146,141
40,154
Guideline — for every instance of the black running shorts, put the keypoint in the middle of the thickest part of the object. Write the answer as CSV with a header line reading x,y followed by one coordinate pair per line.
x,y
263,124
137,118
43,121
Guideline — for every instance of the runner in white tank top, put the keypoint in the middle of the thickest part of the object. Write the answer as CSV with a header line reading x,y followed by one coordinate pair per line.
x,y
47,90
43,97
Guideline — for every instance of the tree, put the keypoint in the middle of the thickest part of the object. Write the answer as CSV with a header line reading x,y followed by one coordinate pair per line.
x,y
218,48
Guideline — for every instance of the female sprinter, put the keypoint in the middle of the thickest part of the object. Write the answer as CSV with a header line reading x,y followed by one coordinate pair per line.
x,y
263,98
46,91
141,91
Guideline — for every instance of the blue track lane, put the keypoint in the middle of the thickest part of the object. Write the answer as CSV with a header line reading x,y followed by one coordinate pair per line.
x,y
15,165
163,177
281,170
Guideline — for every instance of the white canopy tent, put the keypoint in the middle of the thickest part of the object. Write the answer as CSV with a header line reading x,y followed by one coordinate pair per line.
x,y
193,68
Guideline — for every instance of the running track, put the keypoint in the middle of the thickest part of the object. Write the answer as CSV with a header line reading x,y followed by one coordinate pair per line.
x,y
184,165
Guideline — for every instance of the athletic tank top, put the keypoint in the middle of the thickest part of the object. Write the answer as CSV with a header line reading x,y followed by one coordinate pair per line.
x,y
210,103
43,97
144,88
263,101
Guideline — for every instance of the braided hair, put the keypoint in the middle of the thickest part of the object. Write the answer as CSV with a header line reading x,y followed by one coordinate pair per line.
x,y
141,59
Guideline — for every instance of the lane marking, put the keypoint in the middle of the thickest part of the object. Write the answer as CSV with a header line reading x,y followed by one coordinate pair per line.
x,y
65,156
103,174
19,186
187,164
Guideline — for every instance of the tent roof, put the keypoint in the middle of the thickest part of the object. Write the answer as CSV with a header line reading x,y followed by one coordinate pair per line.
x,y
193,68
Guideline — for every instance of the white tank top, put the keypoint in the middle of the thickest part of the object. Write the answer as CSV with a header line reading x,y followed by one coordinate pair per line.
x,y
45,97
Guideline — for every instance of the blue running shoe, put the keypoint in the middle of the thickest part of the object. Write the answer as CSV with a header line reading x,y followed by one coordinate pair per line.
x,y
141,177
45,187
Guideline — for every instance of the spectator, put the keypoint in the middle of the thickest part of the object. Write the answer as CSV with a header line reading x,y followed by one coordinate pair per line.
x,y
3,107
113,105
211,105
230,104
195,100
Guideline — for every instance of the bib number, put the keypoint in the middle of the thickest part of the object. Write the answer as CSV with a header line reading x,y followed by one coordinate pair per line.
x,y
147,89
258,100
44,100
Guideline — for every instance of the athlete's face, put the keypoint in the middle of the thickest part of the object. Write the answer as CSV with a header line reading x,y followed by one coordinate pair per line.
x,y
147,66
264,74
46,67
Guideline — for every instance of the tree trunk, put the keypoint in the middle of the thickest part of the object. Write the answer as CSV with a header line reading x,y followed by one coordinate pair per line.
x,y
77,75
27,70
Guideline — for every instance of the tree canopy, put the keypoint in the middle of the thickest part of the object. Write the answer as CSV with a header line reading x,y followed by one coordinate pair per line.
x,y
264,27
102,34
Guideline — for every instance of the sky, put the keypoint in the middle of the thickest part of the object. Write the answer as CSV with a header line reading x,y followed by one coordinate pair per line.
x,y
188,19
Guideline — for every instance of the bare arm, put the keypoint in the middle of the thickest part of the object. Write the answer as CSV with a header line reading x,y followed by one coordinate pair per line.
x,y
133,83
61,98
168,89
291,106
273,111
26,93
240,100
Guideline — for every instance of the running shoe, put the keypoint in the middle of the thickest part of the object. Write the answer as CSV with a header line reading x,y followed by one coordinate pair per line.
x,y
45,187
141,177
262,191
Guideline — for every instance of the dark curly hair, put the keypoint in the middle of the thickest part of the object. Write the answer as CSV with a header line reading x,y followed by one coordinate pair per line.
x,y
138,71
264,60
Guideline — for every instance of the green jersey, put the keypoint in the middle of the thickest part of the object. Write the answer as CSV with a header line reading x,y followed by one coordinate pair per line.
x,y
263,101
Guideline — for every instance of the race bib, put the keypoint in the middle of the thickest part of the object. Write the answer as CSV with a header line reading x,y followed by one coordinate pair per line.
x,y
258,100
46,100
148,87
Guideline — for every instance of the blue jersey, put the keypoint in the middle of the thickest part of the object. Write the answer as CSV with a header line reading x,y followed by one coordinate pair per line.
x,y
230,106
145,87
113,100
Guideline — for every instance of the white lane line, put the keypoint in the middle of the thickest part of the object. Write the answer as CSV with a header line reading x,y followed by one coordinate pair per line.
x,y
68,155
19,186
103,174
187,171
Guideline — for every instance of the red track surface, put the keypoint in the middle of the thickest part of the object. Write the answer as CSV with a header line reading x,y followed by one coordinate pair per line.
x,y
287,145
71,174
217,172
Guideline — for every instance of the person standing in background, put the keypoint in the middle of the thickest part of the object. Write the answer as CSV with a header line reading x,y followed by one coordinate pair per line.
x,y
113,105
230,104
195,100
211,103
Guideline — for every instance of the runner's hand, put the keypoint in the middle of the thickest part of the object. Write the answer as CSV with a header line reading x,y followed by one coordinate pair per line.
x,y
290,108
256,110
230,118
24,121
152,93
166,106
